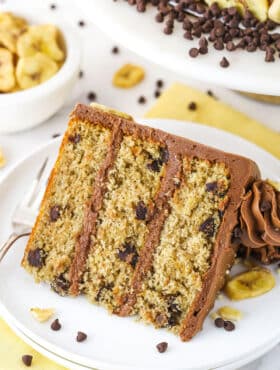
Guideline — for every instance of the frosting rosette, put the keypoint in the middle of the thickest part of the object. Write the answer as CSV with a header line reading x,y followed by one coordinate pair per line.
x,y
259,229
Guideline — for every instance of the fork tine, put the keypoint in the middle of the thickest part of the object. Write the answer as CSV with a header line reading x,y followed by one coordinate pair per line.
x,y
35,188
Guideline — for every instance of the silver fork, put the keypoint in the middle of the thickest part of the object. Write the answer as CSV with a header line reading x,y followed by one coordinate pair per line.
x,y
25,212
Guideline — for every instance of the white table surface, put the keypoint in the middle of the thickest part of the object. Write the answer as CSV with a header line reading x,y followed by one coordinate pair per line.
x,y
98,65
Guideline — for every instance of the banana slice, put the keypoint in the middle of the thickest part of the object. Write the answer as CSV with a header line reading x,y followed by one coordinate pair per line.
x,y
32,71
11,27
40,39
274,11
7,76
250,284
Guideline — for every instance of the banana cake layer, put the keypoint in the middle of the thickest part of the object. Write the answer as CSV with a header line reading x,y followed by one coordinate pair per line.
x,y
138,220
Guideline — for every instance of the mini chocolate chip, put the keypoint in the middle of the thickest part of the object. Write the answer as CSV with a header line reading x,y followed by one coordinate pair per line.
x,y
162,347
81,74
36,257
115,50
212,186
193,52
27,360
229,326
164,155
141,210
81,337
91,96
219,322
159,17
224,63
75,139
60,285
265,206
142,99
81,23
157,94
192,106
53,6
54,213
56,325
159,84
208,227
128,254
54,136
154,165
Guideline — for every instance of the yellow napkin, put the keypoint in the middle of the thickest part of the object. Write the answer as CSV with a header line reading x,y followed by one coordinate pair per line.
x,y
13,348
173,103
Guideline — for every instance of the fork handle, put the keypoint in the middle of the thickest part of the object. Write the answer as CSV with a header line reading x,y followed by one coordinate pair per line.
x,y
8,244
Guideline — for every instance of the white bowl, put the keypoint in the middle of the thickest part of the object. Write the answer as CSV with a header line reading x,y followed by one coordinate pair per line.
x,y
24,109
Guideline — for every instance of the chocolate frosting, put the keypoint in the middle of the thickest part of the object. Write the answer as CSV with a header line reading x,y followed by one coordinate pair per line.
x,y
260,222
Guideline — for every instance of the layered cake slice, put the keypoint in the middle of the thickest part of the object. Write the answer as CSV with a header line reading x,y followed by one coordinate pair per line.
x,y
138,220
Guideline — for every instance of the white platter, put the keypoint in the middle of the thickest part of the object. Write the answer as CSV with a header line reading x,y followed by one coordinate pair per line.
x,y
140,33
118,343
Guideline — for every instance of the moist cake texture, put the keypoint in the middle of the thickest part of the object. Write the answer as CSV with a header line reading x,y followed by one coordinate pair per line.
x,y
138,220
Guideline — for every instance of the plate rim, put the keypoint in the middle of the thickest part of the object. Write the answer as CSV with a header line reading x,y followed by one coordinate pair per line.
x,y
53,142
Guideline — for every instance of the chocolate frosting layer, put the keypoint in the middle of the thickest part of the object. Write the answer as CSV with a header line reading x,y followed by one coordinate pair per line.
x,y
260,222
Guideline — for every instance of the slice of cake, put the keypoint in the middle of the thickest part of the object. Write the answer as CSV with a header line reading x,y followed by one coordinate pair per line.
x,y
138,220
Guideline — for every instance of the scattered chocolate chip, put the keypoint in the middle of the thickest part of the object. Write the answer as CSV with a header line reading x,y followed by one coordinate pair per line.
x,y
56,325
193,52
219,322
54,136
210,93
115,50
81,23
142,99
212,186
224,63
164,155
192,106
27,360
81,337
75,139
157,94
229,326
53,6
36,257
208,227
128,254
265,206
162,347
81,74
159,83
141,210
91,96
154,165
54,213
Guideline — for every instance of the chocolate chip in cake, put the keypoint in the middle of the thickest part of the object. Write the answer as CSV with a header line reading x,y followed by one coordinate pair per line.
x,y
75,139
163,155
56,325
128,254
81,337
115,50
219,322
162,347
92,96
55,213
154,165
212,186
224,63
60,285
229,326
192,106
27,360
265,206
36,257
141,210
208,227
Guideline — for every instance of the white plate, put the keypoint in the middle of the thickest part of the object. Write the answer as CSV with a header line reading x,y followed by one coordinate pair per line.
x,y
140,33
120,343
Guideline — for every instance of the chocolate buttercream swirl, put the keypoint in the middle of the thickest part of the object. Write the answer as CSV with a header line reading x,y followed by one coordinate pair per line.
x,y
259,220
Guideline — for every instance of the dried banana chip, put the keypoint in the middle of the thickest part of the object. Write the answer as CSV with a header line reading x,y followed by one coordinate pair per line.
x,y
42,314
128,76
11,27
32,71
250,284
229,313
112,111
7,76
274,11
40,39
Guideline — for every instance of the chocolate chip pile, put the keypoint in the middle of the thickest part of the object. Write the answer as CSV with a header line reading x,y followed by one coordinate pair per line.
x,y
225,28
